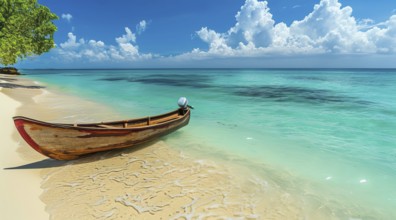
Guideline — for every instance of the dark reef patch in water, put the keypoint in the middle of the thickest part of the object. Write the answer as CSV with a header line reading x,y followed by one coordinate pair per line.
x,y
295,94
276,93
231,126
112,79
172,82
177,80
309,78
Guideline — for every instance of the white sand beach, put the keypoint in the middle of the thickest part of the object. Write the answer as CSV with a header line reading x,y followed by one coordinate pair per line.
x,y
19,188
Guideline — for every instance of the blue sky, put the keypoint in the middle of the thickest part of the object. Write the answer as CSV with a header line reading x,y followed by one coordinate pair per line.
x,y
221,33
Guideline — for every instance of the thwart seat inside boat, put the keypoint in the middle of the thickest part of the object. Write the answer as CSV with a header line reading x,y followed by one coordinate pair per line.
x,y
148,121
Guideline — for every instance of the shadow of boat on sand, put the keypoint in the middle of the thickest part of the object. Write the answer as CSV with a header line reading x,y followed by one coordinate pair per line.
x,y
90,158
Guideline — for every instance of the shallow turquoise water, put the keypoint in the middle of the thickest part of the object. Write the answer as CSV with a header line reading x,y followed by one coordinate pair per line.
x,y
333,130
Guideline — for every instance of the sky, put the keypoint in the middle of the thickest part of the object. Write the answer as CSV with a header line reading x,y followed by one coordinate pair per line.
x,y
221,34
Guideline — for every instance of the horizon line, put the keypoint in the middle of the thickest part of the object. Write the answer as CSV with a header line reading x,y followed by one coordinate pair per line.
x,y
225,68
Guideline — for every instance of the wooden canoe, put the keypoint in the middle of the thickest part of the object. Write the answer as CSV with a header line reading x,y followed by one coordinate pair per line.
x,y
70,141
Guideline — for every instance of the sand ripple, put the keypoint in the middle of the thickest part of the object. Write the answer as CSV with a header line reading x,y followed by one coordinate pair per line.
x,y
157,182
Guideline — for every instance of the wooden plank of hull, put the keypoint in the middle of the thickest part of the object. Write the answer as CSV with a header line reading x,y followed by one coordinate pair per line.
x,y
66,142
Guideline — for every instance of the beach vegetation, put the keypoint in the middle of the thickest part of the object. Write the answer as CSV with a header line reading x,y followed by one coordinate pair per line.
x,y
26,29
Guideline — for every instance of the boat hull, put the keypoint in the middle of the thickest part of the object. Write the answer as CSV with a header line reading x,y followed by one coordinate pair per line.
x,y
67,142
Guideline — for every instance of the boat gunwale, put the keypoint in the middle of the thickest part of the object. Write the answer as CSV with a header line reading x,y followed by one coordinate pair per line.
x,y
84,126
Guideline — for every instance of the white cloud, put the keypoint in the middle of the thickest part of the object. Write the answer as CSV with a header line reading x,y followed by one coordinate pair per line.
x,y
330,34
126,38
97,44
126,48
94,51
67,17
366,23
254,24
141,27
217,44
329,29
384,38
71,42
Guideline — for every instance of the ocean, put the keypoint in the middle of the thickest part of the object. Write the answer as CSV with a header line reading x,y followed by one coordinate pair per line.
x,y
324,136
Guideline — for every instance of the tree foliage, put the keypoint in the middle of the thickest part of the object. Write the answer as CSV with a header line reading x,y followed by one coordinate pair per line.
x,y
26,29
